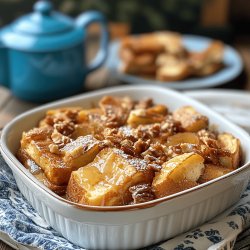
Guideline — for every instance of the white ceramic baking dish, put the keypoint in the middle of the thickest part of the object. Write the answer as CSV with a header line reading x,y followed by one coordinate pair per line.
x,y
134,226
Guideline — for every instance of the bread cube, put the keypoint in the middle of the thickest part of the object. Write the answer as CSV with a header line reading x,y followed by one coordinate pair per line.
x,y
133,69
143,116
190,119
212,172
58,165
177,174
186,137
52,164
81,151
39,173
85,114
106,180
207,61
208,69
173,72
233,153
147,43
158,109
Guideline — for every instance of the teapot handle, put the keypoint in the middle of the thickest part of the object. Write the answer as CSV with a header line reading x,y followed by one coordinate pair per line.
x,y
85,19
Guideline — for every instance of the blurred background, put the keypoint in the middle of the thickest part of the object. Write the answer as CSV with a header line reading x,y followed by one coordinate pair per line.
x,y
223,19
227,20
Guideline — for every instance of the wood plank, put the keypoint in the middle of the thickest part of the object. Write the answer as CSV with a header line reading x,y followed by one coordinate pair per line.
x,y
4,96
12,108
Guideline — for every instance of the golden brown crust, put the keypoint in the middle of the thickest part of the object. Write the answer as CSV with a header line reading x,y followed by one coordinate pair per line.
x,y
212,172
106,180
175,72
190,119
38,173
177,174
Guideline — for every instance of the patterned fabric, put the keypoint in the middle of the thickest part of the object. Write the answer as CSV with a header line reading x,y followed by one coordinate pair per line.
x,y
22,223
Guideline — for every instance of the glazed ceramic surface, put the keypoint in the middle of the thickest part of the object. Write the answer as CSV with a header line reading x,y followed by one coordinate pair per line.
x,y
42,54
133,226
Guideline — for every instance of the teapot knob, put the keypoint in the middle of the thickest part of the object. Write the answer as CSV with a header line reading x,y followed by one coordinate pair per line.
x,y
44,7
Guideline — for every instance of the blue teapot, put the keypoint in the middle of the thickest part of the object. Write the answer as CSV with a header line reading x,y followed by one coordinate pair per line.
x,y
42,54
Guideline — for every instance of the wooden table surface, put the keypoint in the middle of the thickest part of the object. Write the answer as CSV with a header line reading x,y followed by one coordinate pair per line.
x,y
10,106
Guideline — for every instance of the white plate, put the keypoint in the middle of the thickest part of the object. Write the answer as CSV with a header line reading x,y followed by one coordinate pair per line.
x,y
231,59
133,226
232,104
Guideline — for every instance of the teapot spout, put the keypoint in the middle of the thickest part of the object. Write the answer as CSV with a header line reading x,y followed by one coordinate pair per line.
x,y
4,72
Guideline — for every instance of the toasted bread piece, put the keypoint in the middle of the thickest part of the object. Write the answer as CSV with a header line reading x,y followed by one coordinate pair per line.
x,y
212,172
158,109
173,72
137,60
166,59
86,115
190,119
138,70
126,54
85,129
143,60
38,173
155,43
177,174
172,42
144,116
186,137
208,69
57,166
89,122
147,43
208,61
106,180
232,145
214,52
81,151
116,110
37,148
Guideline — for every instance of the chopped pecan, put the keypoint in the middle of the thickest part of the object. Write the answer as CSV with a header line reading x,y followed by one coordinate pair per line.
x,y
65,127
116,110
59,139
141,193
141,146
209,138
170,125
144,104
127,147
67,115
156,153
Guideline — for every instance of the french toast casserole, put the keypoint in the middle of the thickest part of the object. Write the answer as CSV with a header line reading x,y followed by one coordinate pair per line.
x,y
163,56
125,152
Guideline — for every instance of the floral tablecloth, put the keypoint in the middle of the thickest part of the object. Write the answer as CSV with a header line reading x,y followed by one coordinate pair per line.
x,y
23,224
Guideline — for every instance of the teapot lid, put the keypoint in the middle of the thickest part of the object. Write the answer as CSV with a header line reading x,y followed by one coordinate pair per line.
x,y
42,30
